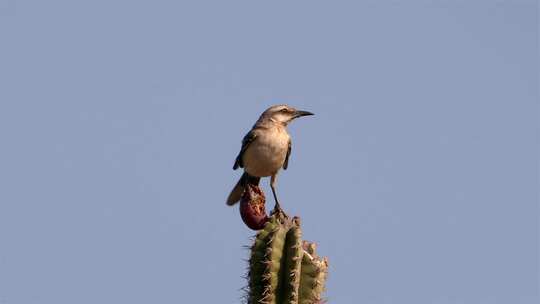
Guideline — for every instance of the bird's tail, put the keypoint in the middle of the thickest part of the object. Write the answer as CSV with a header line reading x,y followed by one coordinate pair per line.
x,y
238,190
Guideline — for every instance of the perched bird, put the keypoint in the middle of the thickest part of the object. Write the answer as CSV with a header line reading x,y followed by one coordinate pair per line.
x,y
265,150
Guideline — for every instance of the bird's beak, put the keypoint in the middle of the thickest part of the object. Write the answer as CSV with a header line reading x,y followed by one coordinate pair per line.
x,y
302,113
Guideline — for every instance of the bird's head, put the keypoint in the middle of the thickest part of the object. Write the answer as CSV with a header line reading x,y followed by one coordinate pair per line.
x,y
283,114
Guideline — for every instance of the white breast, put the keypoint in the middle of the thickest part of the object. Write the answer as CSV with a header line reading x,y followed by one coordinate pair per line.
x,y
266,154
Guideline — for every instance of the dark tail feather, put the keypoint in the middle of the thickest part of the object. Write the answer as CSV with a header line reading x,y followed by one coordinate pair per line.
x,y
238,190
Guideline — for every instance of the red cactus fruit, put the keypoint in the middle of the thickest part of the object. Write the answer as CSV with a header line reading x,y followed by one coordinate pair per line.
x,y
252,208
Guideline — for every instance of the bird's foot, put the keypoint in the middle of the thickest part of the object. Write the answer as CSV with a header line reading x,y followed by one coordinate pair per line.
x,y
278,211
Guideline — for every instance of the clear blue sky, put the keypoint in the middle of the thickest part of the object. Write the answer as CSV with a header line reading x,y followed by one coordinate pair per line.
x,y
120,121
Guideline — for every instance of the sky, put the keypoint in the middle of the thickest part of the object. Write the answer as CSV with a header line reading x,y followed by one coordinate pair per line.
x,y
418,176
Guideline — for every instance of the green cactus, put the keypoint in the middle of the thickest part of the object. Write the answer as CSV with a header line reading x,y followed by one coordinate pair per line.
x,y
282,267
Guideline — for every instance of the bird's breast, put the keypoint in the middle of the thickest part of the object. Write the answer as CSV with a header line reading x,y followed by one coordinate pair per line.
x,y
266,155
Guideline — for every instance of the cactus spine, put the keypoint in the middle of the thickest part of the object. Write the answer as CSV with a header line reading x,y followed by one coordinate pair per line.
x,y
282,267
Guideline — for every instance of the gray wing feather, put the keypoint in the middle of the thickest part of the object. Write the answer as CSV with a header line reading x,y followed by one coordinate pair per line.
x,y
286,163
248,139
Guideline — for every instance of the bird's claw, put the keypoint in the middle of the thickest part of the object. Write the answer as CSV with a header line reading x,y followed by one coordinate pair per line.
x,y
278,211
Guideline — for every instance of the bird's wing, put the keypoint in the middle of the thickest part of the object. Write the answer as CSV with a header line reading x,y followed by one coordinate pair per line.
x,y
248,139
286,163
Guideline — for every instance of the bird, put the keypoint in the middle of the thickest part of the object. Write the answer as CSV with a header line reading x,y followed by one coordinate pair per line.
x,y
266,149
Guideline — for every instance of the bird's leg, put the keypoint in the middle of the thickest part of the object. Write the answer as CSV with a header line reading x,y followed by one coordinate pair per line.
x,y
277,207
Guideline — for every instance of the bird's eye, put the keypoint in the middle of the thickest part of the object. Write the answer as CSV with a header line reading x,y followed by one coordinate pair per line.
x,y
284,110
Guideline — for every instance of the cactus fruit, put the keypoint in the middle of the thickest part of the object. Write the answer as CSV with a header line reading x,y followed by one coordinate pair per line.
x,y
252,208
282,267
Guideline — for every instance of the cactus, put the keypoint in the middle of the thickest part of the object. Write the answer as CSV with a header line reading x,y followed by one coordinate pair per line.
x,y
282,267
